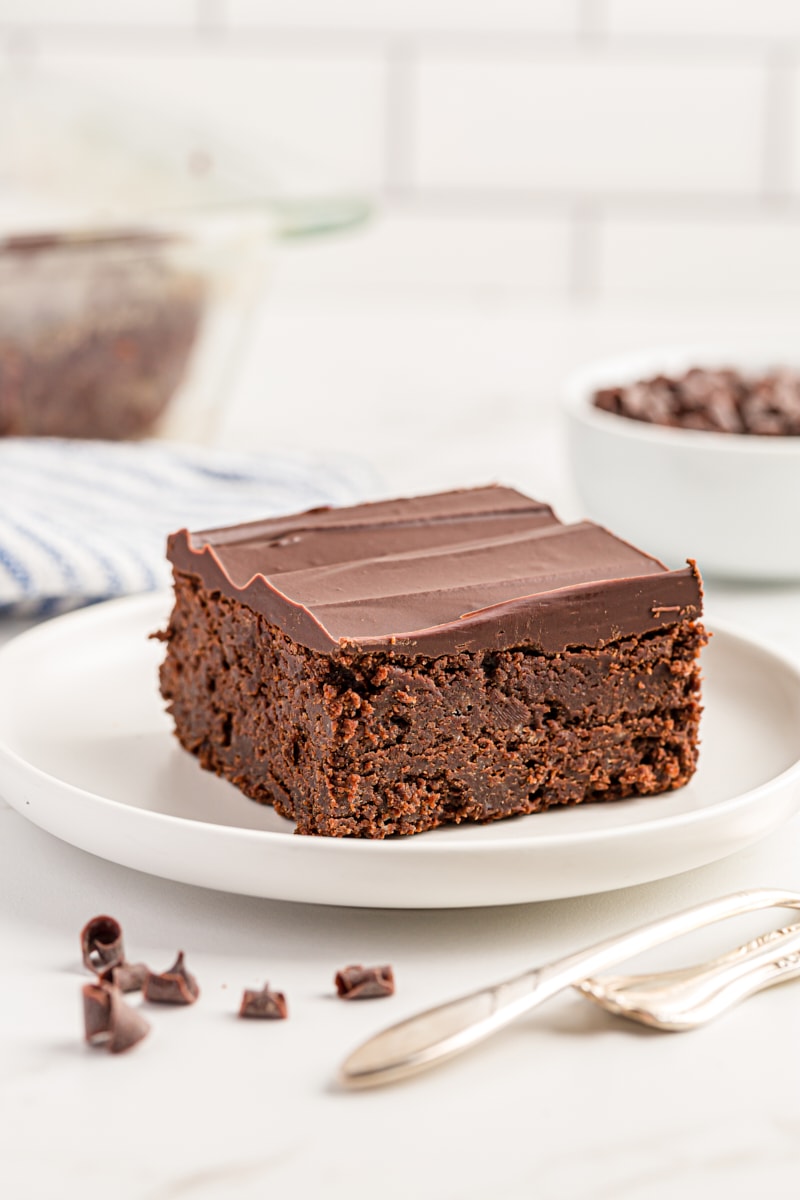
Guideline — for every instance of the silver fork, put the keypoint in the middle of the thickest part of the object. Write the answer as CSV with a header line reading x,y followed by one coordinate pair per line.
x,y
683,999
434,1035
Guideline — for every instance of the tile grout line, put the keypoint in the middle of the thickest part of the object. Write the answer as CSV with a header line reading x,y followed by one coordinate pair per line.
x,y
778,126
20,47
495,202
211,17
592,19
583,284
399,119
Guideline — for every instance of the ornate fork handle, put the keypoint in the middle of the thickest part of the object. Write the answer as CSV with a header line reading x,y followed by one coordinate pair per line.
x,y
684,999
428,1038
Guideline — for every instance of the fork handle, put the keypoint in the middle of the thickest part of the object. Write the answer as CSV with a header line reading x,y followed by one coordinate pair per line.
x,y
686,998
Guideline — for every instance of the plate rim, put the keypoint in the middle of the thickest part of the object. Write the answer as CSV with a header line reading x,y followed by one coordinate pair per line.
x,y
161,600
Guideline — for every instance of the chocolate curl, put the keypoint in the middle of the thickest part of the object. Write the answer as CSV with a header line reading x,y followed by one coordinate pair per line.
x,y
101,943
364,983
128,977
110,1022
264,1004
175,986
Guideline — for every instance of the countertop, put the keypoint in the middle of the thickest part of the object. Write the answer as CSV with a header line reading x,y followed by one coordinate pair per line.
x,y
567,1103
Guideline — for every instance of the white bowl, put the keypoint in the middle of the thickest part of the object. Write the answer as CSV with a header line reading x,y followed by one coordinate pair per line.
x,y
730,501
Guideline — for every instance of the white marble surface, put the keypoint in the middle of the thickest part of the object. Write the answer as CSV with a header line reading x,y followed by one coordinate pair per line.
x,y
567,1104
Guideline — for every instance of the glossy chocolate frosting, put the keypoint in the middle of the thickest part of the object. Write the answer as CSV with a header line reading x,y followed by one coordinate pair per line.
x,y
479,569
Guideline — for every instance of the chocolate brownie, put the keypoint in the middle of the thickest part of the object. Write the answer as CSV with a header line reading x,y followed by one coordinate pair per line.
x,y
717,401
97,334
391,667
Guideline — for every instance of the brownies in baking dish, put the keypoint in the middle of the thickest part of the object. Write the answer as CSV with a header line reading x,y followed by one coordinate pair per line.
x,y
391,667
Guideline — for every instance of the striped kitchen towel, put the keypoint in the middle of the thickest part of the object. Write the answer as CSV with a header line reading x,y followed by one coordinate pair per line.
x,y
82,521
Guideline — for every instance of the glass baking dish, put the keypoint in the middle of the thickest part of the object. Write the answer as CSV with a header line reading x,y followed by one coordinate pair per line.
x,y
132,254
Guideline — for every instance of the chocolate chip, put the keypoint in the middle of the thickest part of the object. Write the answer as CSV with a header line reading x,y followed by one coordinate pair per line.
x,y
175,986
110,1022
719,401
364,983
101,943
609,399
652,400
264,1004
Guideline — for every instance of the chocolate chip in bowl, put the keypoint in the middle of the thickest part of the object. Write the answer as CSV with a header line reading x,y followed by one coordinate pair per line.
x,y
694,452
714,400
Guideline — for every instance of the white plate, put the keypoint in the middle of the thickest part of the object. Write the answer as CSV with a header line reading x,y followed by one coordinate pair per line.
x,y
86,752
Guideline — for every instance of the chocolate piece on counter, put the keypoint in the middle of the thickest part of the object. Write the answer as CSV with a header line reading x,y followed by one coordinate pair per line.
x,y
109,1021
175,986
96,1012
486,568
128,977
716,401
264,1004
101,943
364,983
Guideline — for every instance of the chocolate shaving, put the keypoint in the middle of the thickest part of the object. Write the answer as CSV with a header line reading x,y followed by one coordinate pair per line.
x,y
264,1004
128,977
101,943
364,983
110,1022
175,986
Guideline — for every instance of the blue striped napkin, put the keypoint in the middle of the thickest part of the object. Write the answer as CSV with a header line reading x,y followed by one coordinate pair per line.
x,y
82,521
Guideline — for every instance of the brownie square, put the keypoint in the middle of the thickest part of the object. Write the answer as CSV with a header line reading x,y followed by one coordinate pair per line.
x,y
388,668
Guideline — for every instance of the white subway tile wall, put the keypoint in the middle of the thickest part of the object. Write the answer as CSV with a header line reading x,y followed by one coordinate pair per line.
x,y
51,14
538,16
594,149
441,254
263,99
711,259
767,19
793,149
588,123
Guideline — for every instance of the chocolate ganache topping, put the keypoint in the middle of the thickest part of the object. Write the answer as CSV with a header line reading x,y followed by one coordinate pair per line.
x,y
486,568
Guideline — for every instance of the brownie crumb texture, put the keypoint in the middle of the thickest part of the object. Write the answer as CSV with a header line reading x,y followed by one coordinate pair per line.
x,y
371,744
717,401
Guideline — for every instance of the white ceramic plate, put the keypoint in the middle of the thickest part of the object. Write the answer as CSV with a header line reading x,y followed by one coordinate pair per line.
x,y
86,752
